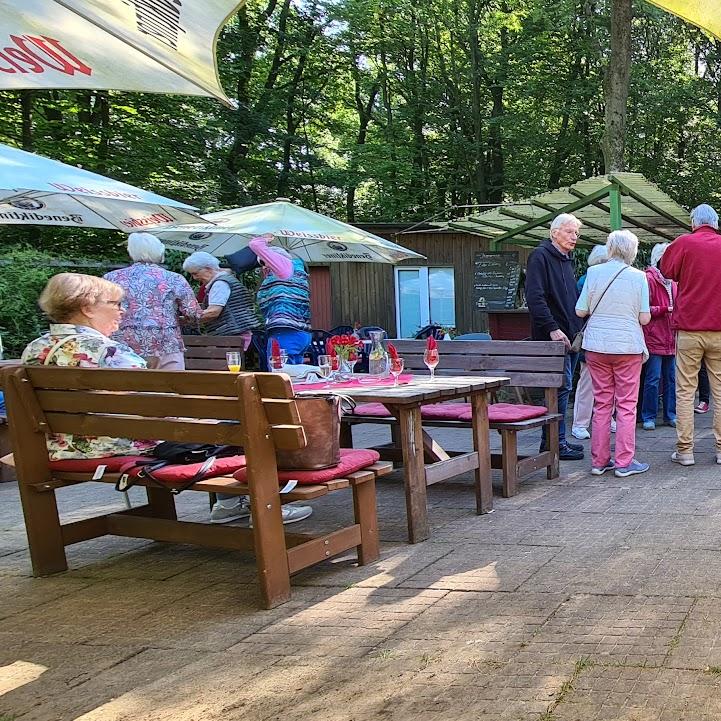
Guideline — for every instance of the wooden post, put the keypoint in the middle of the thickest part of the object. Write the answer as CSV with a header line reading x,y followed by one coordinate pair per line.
x,y
614,202
414,469
482,446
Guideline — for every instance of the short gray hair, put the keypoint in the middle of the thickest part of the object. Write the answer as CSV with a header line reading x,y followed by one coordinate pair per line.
x,y
598,255
704,215
656,252
199,260
563,219
622,245
145,248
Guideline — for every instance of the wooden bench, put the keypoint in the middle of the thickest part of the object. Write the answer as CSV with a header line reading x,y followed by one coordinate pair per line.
x,y
207,352
529,364
255,411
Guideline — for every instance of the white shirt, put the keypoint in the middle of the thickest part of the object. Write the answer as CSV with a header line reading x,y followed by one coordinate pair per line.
x,y
219,292
613,326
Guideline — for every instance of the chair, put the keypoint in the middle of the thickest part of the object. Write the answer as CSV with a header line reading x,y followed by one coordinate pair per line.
x,y
259,343
474,336
317,345
364,332
341,330
429,330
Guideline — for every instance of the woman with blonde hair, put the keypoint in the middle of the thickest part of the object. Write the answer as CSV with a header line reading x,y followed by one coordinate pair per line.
x,y
615,296
84,312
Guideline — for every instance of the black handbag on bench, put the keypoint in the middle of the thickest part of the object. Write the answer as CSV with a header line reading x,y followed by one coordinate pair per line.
x,y
171,453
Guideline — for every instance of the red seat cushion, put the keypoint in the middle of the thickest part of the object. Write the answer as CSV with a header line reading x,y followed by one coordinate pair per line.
x,y
372,409
510,412
88,465
351,460
170,474
181,473
446,411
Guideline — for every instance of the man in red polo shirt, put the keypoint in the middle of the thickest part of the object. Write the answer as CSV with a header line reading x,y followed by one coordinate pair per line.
x,y
694,261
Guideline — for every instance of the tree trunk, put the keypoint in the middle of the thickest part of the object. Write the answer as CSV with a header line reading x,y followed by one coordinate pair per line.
x,y
616,87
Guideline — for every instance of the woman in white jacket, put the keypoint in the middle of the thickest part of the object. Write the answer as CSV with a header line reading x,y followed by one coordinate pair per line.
x,y
615,296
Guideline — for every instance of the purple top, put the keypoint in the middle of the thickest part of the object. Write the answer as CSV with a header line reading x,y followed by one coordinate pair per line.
x,y
154,299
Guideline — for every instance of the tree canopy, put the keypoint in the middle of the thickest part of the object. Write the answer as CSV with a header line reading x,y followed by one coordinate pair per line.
x,y
371,110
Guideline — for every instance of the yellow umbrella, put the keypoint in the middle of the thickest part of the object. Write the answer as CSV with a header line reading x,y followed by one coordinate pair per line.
x,y
706,14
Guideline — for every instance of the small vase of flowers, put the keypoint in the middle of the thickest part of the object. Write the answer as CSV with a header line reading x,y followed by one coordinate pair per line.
x,y
345,350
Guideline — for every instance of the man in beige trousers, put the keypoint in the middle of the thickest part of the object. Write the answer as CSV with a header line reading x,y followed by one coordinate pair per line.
x,y
694,261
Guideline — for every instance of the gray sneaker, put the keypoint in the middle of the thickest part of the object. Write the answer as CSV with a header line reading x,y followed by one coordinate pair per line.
x,y
223,514
291,514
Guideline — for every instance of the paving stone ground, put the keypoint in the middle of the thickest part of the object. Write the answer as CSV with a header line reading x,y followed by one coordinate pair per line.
x,y
580,599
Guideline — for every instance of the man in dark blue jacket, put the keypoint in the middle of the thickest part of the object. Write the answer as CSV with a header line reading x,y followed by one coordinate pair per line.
x,y
551,295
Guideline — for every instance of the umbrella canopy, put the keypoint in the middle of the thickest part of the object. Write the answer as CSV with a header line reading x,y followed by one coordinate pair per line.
x,y
704,13
145,45
38,191
313,237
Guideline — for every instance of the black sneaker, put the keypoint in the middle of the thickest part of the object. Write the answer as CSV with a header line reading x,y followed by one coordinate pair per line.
x,y
575,446
568,453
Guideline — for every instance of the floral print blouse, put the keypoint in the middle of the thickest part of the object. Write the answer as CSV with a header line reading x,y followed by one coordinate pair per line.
x,y
83,347
154,298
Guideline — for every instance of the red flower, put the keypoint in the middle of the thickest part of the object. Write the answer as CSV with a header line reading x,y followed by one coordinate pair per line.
x,y
392,352
431,343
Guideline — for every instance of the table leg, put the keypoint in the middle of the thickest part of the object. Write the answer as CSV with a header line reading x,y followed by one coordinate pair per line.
x,y
414,470
482,445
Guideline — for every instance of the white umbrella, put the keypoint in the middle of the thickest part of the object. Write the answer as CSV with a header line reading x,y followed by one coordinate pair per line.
x,y
313,237
157,46
38,191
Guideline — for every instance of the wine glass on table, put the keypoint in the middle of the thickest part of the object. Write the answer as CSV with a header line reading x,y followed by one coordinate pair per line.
x,y
431,359
396,369
325,367
232,360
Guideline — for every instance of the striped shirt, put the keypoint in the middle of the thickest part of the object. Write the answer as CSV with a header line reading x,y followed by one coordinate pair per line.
x,y
286,303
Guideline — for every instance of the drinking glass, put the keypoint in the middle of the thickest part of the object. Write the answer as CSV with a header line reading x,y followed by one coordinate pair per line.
x,y
278,362
396,369
431,358
352,360
232,359
325,367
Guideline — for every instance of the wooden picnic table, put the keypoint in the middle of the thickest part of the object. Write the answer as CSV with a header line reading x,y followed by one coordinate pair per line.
x,y
424,460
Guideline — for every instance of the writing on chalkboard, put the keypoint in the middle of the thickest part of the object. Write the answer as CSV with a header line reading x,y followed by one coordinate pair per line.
x,y
495,279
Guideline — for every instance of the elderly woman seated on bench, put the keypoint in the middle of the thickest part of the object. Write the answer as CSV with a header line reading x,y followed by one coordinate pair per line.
x,y
85,311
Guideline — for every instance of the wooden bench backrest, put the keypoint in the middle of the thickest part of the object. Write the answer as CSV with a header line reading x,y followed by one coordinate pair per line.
x,y
253,410
529,364
207,352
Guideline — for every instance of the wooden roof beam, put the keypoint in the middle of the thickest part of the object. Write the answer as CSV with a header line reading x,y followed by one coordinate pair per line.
x,y
491,224
628,218
588,223
519,216
542,220
648,204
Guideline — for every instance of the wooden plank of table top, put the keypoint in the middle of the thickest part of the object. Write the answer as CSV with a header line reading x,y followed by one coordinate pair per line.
x,y
420,390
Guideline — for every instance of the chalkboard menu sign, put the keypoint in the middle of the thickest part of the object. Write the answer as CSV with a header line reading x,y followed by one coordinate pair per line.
x,y
495,280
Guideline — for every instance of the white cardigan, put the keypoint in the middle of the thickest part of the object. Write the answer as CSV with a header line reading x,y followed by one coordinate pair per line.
x,y
613,326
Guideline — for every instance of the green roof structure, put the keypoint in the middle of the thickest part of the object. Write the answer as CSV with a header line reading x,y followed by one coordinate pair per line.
x,y
603,203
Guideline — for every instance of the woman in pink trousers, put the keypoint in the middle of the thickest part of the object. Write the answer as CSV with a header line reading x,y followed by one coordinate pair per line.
x,y
616,298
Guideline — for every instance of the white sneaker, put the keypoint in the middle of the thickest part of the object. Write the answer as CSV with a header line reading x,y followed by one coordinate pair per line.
x,y
580,432
291,514
237,508
683,459
718,458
